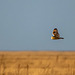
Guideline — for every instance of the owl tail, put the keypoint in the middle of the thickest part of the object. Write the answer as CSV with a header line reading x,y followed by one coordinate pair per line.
x,y
61,38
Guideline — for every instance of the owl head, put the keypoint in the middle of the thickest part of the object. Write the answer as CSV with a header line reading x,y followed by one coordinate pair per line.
x,y
55,31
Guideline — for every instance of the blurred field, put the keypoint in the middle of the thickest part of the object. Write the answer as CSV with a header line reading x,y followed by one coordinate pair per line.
x,y
37,63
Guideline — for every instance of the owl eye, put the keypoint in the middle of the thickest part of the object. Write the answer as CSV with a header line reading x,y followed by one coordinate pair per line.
x,y
54,32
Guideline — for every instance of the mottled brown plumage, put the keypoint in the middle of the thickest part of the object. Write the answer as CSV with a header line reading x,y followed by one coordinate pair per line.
x,y
56,34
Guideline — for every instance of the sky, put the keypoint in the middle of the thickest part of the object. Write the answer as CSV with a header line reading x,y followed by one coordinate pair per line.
x,y
28,24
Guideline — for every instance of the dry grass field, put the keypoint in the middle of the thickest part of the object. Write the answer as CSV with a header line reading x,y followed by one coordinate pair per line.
x,y
37,63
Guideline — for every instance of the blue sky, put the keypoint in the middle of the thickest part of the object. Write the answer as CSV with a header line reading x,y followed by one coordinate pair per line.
x,y
28,24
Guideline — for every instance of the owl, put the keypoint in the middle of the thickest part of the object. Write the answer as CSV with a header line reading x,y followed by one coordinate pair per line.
x,y
56,34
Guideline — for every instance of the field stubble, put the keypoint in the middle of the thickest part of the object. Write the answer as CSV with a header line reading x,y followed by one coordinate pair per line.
x,y
37,63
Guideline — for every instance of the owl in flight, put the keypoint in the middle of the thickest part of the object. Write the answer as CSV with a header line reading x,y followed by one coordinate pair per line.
x,y
56,35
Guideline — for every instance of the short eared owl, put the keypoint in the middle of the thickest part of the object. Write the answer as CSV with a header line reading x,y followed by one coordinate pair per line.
x,y
56,34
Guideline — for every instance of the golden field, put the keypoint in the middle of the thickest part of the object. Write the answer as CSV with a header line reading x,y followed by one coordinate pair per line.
x,y
37,63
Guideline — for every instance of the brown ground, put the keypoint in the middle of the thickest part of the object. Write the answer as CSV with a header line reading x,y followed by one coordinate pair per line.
x,y
37,63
